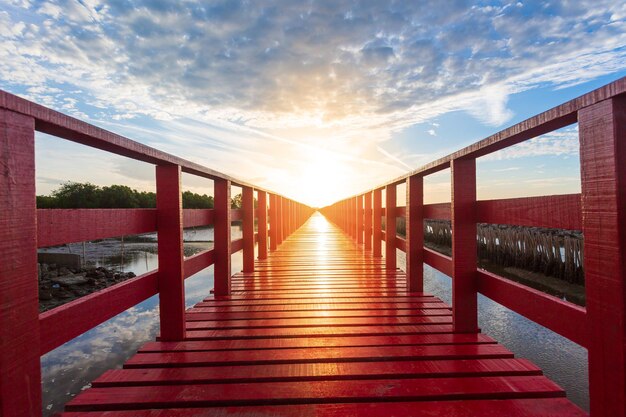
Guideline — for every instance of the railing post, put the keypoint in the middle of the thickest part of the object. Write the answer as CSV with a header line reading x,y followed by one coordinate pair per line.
x,y
359,219
280,236
464,285
368,221
20,372
222,237
377,226
603,170
390,226
262,223
414,233
247,203
170,252
284,213
273,222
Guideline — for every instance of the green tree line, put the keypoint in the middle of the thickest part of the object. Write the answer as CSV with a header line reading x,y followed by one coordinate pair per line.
x,y
87,195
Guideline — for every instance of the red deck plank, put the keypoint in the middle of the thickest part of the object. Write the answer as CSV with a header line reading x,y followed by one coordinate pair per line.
x,y
197,395
317,355
287,343
544,407
316,371
259,315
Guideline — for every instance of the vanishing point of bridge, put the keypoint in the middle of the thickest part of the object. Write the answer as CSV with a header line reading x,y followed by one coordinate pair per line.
x,y
321,324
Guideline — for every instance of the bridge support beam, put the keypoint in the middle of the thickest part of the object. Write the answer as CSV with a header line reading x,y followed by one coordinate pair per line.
x,y
464,282
20,372
602,130
247,202
262,223
170,252
415,233
222,237
390,226
376,224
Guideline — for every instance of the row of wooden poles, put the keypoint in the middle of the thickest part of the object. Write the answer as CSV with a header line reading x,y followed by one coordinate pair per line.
x,y
275,223
554,252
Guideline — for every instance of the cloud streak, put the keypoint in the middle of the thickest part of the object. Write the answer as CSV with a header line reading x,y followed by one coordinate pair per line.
x,y
283,80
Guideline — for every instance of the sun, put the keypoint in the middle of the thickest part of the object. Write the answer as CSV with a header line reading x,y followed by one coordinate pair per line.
x,y
321,180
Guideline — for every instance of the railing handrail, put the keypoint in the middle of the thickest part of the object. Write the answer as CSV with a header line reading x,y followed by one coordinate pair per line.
x,y
70,128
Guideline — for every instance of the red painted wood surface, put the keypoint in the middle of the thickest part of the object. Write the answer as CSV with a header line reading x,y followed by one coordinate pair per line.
x,y
566,319
464,283
438,211
236,245
273,343
221,247
284,212
198,262
170,252
248,229
603,171
20,390
359,219
236,214
273,216
197,217
262,223
367,221
390,227
556,211
377,223
545,407
414,233
60,226
279,220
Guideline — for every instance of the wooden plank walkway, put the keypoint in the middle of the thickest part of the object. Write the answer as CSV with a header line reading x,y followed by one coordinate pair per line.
x,y
322,329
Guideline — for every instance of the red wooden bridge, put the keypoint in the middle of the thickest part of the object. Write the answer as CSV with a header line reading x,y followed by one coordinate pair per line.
x,y
321,323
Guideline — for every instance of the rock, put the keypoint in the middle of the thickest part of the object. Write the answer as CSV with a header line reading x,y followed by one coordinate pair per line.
x,y
71,279
131,275
44,268
39,272
64,271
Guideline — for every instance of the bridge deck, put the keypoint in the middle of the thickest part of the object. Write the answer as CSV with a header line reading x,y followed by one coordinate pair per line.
x,y
321,328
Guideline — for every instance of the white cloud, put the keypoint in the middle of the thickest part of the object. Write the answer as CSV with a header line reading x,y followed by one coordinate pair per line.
x,y
334,79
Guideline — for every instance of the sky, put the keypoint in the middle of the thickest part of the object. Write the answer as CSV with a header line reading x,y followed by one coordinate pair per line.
x,y
317,100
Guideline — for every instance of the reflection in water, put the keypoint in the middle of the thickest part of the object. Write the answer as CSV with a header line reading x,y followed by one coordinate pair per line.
x,y
561,360
71,367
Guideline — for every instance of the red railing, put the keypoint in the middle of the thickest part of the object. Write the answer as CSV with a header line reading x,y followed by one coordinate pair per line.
x,y
599,211
26,334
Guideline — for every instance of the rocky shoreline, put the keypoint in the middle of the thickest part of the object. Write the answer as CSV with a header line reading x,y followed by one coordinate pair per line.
x,y
59,284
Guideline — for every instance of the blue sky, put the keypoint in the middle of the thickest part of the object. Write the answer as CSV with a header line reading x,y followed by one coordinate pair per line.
x,y
314,99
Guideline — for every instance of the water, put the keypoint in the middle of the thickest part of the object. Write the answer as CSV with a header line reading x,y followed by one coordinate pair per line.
x,y
561,360
69,369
